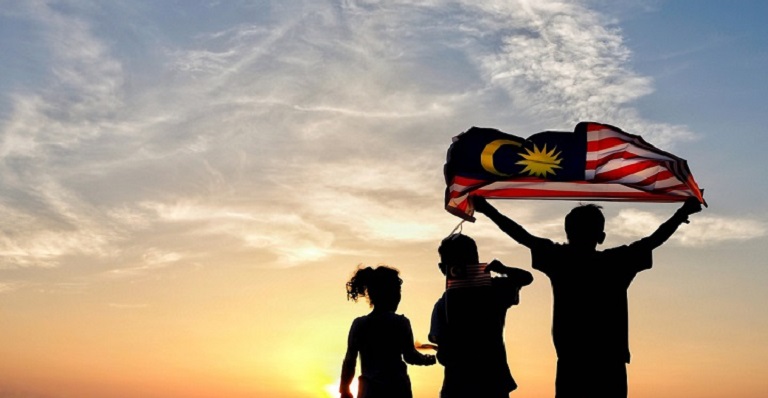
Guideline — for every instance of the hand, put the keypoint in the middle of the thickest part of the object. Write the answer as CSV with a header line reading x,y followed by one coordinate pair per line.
x,y
346,394
691,206
429,359
481,205
495,266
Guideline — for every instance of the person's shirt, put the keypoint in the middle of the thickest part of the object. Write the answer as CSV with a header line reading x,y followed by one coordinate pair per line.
x,y
468,327
590,316
383,339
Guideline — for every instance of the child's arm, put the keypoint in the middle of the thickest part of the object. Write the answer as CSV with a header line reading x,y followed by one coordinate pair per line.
x,y
410,355
498,267
348,366
508,291
669,227
508,226
519,276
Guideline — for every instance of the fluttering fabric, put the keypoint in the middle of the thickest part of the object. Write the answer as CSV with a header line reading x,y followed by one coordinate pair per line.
x,y
594,162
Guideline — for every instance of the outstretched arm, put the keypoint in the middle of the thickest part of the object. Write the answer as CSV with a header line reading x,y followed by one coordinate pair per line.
x,y
669,227
410,355
508,226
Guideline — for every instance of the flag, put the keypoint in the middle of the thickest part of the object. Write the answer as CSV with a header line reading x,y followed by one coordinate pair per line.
x,y
594,162
473,275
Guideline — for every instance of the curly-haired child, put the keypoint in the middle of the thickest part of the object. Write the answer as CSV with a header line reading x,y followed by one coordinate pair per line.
x,y
383,339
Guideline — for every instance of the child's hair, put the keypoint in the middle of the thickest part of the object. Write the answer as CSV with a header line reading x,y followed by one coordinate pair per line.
x,y
457,249
378,284
585,219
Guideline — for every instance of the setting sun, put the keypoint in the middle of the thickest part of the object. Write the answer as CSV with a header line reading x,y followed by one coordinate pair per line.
x,y
188,187
332,390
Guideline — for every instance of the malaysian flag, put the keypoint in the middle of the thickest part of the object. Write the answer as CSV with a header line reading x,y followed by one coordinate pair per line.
x,y
594,162
472,275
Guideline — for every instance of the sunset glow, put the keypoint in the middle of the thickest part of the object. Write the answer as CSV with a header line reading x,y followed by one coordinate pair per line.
x,y
186,187
333,389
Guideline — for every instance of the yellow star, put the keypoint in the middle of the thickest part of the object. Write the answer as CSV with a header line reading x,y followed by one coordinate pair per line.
x,y
540,162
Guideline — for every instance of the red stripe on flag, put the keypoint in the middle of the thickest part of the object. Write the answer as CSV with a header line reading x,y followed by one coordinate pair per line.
x,y
529,193
605,143
616,156
624,171
619,166
660,176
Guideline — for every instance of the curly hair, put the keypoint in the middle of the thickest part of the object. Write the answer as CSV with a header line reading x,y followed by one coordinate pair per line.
x,y
377,284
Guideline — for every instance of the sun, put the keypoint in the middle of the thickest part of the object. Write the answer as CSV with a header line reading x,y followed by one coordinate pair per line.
x,y
333,389
540,162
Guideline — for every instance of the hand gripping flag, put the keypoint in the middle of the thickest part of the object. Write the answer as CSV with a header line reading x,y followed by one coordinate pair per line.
x,y
594,162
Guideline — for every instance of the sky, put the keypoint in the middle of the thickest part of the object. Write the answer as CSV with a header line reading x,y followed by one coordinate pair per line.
x,y
186,186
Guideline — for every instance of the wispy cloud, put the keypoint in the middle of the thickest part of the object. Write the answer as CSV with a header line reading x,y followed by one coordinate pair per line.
x,y
702,231
294,135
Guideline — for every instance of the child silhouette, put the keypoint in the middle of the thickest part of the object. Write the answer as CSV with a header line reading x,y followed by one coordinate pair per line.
x,y
382,338
471,314
589,317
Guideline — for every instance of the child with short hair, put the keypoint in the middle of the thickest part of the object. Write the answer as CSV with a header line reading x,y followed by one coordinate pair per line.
x,y
383,339
590,316
471,314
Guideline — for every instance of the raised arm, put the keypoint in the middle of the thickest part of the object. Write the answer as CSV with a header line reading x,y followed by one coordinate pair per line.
x,y
669,227
508,226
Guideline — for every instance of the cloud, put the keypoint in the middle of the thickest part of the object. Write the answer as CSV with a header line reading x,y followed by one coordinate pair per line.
x,y
7,287
565,63
704,230
284,131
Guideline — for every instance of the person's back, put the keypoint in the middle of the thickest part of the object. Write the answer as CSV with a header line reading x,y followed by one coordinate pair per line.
x,y
382,339
589,287
590,311
472,348
381,336
468,322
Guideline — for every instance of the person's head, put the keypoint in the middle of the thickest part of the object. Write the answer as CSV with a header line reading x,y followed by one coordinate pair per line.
x,y
456,252
381,285
584,226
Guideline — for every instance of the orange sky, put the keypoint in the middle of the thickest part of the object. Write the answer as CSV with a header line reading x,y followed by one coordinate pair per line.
x,y
281,333
185,187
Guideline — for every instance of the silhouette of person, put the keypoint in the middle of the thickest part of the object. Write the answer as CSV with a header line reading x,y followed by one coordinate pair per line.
x,y
468,321
590,317
382,338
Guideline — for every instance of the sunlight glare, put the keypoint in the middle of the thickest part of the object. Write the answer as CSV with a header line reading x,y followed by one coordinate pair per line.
x,y
333,389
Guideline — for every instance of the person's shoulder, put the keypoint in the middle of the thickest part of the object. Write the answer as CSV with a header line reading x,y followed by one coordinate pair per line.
x,y
615,249
625,249
552,251
401,319
544,244
358,322
549,245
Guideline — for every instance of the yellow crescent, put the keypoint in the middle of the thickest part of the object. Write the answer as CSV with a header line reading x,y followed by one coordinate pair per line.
x,y
486,157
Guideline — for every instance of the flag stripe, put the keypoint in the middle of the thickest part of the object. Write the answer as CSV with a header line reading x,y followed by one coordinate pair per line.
x,y
617,166
574,188
475,276
600,158
625,169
